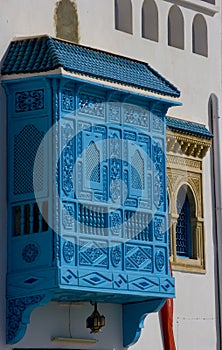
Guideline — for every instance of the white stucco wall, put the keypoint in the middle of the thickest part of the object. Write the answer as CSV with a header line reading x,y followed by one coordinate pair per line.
x,y
197,77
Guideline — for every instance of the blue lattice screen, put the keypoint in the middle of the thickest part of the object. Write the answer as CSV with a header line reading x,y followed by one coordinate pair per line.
x,y
183,227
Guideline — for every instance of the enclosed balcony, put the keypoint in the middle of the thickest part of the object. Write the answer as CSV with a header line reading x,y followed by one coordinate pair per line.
x,y
87,208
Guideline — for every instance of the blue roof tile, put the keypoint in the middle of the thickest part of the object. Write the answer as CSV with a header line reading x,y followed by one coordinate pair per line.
x,y
188,127
41,54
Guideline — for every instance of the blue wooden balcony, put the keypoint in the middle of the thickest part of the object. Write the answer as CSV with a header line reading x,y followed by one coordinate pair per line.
x,y
87,208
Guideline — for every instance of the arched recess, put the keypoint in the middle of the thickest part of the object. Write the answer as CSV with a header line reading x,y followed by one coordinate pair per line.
x,y
124,16
92,163
66,20
150,23
176,28
186,223
137,174
199,36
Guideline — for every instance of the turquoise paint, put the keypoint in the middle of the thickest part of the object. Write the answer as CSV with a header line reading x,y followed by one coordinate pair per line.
x,y
94,224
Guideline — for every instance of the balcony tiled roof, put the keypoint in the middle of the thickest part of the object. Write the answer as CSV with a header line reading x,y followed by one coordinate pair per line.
x,y
42,54
187,127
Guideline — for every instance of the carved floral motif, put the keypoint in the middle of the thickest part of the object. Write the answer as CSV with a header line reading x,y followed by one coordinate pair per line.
x,y
136,115
68,251
159,229
91,105
159,260
16,309
30,252
158,159
29,100
116,223
68,216
67,100
67,158
114,111
116,255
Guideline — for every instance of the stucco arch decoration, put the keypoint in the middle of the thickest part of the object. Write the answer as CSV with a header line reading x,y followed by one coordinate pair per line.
x,y
187,144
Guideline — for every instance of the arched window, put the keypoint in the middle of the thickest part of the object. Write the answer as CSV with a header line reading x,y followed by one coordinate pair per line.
x,y
186,212
176,28
66,20
123,16
150,20
92,163
137,175
199,36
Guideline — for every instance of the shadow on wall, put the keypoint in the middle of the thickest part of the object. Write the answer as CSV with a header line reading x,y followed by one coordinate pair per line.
x,y
66,21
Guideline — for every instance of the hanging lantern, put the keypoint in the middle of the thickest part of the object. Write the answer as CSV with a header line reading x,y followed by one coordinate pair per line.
x,y
95,322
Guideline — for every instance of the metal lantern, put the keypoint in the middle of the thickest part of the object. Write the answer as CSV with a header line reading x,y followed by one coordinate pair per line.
x,y
95,322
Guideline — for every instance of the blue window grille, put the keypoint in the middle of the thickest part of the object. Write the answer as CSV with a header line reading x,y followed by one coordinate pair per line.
x,y
93,162
183,227
137,174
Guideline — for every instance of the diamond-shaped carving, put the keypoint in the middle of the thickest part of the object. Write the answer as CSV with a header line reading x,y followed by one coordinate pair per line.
x,y
93,253
95,279
139,258
31,280
69,276
167,285
144,283
120,281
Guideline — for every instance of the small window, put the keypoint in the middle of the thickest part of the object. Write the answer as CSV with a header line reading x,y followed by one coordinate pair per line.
x,y
186,213
185,154
123,16
176,28
199,36
150,20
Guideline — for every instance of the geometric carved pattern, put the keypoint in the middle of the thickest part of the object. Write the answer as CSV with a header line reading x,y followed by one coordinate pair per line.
x,y
137,173
139,258
67,100
159,190
116,255
93,253
114,111
68,216
30,252
159,260
136,116
190,146
26,144
67,158
95,279
68,251
157,123
116,222
16,309
145,283
159,228
29,100
92,162
91,105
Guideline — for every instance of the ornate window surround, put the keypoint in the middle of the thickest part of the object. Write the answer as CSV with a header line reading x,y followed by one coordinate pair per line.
x,y
187,145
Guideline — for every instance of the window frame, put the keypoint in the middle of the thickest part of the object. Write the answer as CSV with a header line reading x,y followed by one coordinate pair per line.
x,y
185,169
